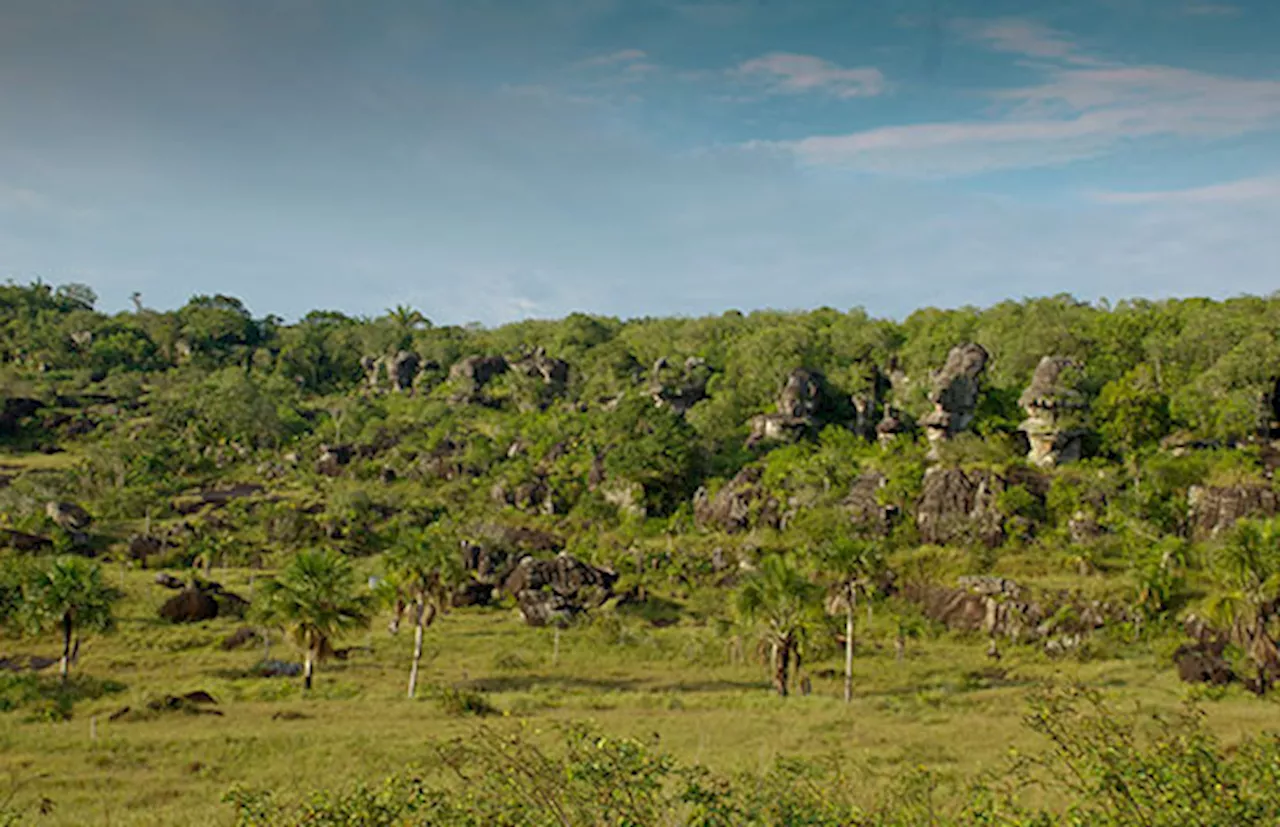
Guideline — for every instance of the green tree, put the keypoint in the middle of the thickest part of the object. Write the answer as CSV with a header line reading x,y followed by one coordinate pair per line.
x,y
1248,591
424,572
314,599
69,594
1132,413
849,567
784,604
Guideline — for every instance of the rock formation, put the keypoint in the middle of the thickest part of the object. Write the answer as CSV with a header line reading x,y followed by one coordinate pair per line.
x,y
472,374
893,425
863,504
797,408
955,393
962,506
867,405
1053,403
548,591
201,600
740,505
679,389
68,516
1215,509
554,373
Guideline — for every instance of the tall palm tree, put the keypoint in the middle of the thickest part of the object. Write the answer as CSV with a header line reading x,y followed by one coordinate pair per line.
x,y
425,572
69,594
314,599
1248,592
848,567
784,603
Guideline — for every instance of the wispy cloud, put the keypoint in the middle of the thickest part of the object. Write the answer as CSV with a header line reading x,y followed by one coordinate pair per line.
x,y
1023,37
1260,188
1211,10
1084,108
787,73
620,57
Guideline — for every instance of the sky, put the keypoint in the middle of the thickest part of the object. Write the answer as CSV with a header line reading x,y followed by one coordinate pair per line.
x,y
494,160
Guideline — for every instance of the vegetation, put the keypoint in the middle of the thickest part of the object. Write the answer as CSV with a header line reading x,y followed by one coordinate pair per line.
x,y
728,470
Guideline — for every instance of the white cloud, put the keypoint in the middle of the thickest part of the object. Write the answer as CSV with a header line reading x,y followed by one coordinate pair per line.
x,y
788,73
1260,188
1083,109
1022,37
623,56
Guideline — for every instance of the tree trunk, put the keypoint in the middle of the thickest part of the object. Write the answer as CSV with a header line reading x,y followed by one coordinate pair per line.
x,y
848,652
555,646
308,667
782,666
418,627
64,665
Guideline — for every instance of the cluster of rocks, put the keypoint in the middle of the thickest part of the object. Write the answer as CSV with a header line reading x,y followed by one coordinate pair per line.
x,y
679,388
963,506
398,372
199,600
741,504
556,590
1215,509
954,394
797,409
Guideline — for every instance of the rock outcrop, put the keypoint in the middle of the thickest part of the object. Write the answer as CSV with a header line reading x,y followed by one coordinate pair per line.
x,y
68,516
554,373
960,506
797,409
398,371
740,505
202,600
552,591
1215,509
1053,403
472,374
955,393
866,405
679,388
893,425
864,507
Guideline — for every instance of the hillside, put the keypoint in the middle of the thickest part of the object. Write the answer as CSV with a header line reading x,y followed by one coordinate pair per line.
x,y
1037,489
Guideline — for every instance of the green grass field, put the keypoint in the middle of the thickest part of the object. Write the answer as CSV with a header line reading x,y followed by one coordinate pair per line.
x,y
945,706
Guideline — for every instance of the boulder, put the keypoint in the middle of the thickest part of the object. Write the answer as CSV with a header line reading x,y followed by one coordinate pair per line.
x,y
739,505
1054,404
679,388
402,369
1202,662
554,373
240,637
863,504
214,497
553,590
472,374
797,408
21,541
962,506
68,516
333,458
1215,509
202,600
954,394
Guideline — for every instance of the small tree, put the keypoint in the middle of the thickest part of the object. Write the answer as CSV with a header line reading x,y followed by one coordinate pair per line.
x,y
1248,591
69,594
314,599
425,572
784,603
849,567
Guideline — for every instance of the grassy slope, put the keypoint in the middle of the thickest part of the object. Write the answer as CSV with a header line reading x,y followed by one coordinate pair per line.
x,y
678,682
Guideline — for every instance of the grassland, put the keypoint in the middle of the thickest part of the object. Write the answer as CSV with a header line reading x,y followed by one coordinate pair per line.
x,y
945,705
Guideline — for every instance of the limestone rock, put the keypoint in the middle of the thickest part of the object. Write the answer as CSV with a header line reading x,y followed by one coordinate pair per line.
x,y
864,507
955,393
797,409
1053,403
203,600
473,373
68,516
962,506
893,425
679,389
740,505
549,591
1215,509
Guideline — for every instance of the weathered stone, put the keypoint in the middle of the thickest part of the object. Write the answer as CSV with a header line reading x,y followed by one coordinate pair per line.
x,y
550,591
1203,662
627,497
1053,402
554,373
955,393
1215,509
22,541
738,506
402,368
472,374
864,507
679,389
68,516
203,600
893,425
333,458
797,406
959,506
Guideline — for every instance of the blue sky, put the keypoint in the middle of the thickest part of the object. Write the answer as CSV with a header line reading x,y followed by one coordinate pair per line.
x,y
490,161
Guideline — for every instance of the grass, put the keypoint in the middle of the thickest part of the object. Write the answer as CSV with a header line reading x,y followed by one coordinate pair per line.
x,y
945,705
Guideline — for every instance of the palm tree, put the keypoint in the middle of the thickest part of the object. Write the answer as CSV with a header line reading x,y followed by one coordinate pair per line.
x,y
426,573
1248,592
314,599
849,566
779,598
69,594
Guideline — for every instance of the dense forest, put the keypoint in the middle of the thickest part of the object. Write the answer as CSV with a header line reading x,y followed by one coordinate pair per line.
x,y
1035,436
